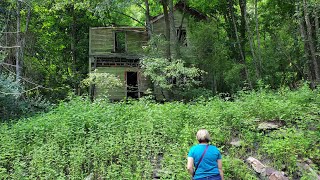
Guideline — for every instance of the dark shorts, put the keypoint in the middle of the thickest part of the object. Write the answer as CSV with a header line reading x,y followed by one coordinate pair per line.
x,y
213,177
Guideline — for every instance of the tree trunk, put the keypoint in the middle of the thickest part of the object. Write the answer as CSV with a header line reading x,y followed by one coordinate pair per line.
x,y
307,52
73,49
148,23
258,36
242,57
316,21
167,28
173,35
254,58
231,34
23,44
182,18
215,85
243,39
18,68
311,41
317,33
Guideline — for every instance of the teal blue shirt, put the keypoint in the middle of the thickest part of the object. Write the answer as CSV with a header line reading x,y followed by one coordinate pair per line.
x,y
209,164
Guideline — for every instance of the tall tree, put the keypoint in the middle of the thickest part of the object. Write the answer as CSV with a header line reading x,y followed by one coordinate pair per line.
x,y
252,49
311,41
167,27
147,14
174,38
242,59
18,43
256,15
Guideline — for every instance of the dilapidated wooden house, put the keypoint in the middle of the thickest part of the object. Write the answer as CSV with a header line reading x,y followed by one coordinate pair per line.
x,y
117,50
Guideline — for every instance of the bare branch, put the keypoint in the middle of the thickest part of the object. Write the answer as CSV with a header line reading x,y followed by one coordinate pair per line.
x,y
9,47
139,5
142,23
24,79
11,32
7,64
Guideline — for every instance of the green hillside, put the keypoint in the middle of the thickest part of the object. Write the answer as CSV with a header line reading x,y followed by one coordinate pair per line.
x,y
143,139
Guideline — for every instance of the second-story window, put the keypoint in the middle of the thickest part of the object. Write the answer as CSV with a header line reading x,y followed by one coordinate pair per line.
x,y
119,42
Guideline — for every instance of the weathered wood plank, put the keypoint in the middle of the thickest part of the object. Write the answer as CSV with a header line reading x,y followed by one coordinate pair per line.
x,y
120,72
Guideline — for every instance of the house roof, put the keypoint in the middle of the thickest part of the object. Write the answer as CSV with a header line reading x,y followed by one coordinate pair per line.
x,y
122,28
184,8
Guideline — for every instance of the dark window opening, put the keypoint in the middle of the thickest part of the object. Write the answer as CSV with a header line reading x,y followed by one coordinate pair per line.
x,y
132,85
182,36
172,80
119,42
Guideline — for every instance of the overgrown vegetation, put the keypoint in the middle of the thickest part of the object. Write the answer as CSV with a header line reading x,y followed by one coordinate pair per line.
x,y
128,140
237,44
15,102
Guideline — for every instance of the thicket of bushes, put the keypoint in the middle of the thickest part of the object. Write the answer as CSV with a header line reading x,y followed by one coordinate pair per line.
x,y
15,101
127,140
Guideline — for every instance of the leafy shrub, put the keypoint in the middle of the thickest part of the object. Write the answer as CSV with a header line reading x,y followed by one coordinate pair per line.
x,y
13,105
236,169
286,147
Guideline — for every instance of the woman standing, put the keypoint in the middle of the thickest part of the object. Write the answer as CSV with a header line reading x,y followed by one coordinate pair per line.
x,y
204,160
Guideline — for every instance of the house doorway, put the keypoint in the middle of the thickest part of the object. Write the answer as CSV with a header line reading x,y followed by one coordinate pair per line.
x,y
132,85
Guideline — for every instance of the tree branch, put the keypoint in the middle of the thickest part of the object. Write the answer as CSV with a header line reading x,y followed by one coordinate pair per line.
x,y
142,23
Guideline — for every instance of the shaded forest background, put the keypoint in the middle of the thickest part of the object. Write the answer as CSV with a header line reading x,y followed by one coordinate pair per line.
x,y
242,45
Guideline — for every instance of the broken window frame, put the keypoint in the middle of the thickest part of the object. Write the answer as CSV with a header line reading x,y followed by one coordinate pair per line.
x,y
182,36
115,44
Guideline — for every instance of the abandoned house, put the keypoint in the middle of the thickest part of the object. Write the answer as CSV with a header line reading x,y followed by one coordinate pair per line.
x,y
117,50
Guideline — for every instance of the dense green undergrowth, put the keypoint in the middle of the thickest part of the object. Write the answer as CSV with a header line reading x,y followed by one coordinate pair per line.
x,y
130,140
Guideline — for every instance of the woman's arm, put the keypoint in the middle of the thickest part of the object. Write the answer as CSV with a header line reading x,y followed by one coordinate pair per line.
x,y
190,165
220,168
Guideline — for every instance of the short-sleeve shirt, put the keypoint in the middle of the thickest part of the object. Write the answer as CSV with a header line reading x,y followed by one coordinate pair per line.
x,y
209,164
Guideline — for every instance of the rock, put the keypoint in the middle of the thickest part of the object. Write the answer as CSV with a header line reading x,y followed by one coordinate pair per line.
x,y
156,175
303,166
306,167
90,177
277,176
268,126
236,142
256,165
156,162
269,171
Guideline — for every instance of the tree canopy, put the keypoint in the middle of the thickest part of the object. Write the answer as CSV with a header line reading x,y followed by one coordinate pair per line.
x,y
241,44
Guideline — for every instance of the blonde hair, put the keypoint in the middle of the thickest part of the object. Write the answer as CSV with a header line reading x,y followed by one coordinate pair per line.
x,y
203,135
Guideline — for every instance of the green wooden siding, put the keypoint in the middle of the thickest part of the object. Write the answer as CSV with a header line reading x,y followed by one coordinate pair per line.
x,y
102,40
159,25
120,93
135,42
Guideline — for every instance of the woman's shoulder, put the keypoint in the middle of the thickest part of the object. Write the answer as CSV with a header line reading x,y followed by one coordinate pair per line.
x,y
201,146
214,148
194,147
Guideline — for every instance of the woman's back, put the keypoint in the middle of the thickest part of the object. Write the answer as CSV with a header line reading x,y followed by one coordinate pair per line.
x,y
208,165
